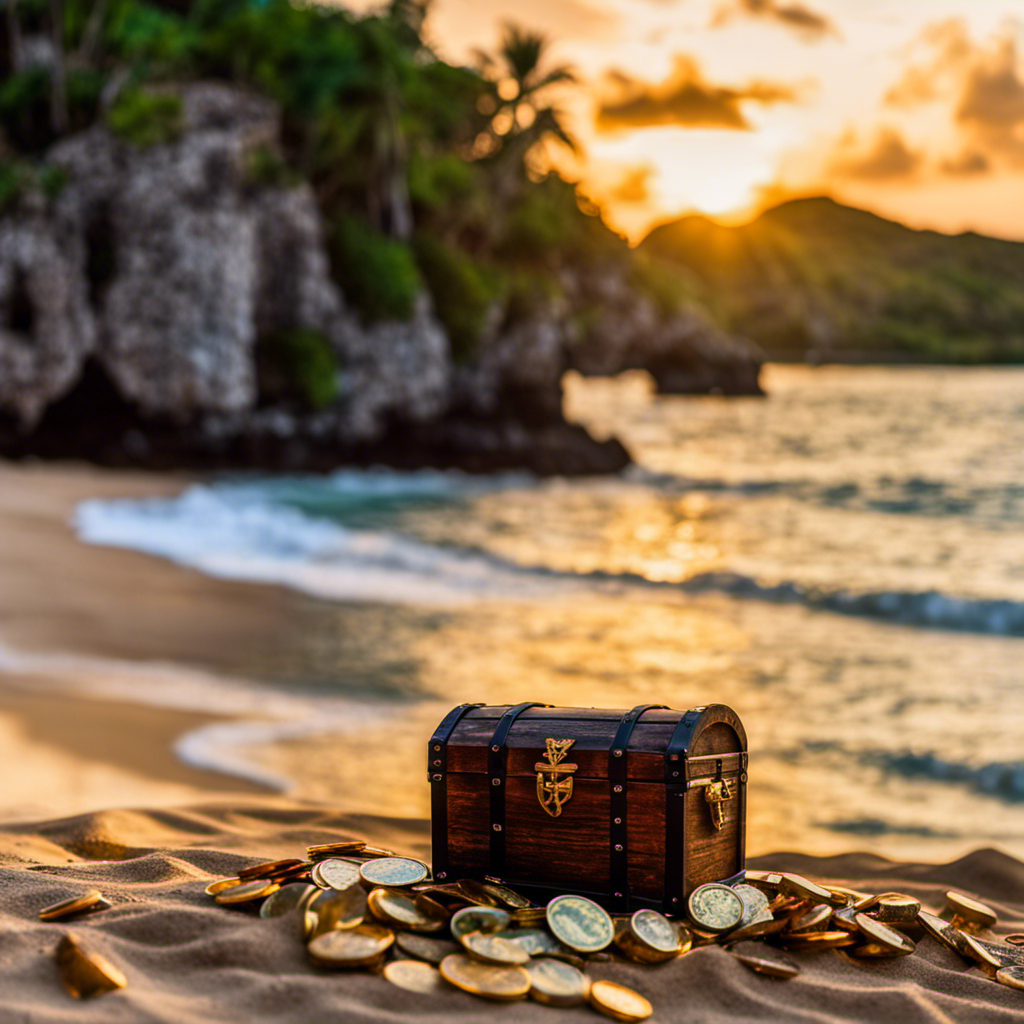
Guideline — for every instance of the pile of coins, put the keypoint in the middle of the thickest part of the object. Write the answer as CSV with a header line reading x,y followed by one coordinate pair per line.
x,y
356,906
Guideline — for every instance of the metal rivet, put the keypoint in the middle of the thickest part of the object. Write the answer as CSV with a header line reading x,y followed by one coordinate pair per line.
x,y
437,778
495,748
495,782
617,753
437,746
618,821
617,789
497,828
743,777
673,757
675,775
675,899
442,874
618,895
618,848
437,763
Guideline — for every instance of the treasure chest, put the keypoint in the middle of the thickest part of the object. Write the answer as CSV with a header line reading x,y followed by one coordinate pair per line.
x,y
631,808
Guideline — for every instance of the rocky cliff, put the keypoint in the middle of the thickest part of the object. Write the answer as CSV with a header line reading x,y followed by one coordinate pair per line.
x,y
152,311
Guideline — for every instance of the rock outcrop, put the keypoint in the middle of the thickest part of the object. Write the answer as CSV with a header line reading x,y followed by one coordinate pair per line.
x,y
133,305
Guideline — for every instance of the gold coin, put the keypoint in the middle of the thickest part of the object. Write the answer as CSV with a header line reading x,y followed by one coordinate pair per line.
x,y
805,889
356,947
761,960
897,909
535,941
287,899
492,949
341,848
943,932
618,1002
270,869
555,983
393,872
871,951
768,881
649,937
415,976
476,893
85,973
486,980
221,884
568,957
754,901
87,903
816,919
1008,956
764,924
880,934
528,917
580,923
507,897
330,910
1011,976
988,961
336,873
246,892
715,907
431,908
970,911
1015,939
400,910
426,947
376,851
807,942
478,919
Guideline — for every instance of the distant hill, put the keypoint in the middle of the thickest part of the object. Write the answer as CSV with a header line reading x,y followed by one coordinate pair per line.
x,y
814,279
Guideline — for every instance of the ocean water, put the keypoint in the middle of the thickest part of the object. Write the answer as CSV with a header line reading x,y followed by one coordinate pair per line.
x,y
843,563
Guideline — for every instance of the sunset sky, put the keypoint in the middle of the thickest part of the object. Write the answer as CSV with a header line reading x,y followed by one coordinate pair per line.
x,y
912,108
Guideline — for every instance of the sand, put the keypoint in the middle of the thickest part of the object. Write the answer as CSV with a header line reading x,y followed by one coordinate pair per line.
x,y
189,960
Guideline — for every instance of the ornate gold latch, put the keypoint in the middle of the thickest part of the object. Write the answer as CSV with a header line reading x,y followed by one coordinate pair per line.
x,y
554,778
716,793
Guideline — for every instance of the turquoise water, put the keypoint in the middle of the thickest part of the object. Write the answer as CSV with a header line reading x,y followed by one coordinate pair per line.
x,y
842,562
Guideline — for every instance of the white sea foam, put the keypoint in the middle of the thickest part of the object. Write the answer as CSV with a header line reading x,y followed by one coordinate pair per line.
x,y
240,532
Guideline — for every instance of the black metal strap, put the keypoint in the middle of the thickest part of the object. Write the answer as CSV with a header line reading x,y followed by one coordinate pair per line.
x,y
618,774
675,810
497,757
437,775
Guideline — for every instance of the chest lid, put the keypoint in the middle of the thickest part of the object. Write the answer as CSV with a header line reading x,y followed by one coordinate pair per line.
x,y
656,744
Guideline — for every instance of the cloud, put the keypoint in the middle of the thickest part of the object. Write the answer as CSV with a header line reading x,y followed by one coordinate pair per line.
x,y
885,158
795,16
981,83
967,164
685,99
634,186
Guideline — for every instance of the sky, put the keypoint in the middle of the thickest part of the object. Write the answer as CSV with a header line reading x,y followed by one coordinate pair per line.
x,y
911,108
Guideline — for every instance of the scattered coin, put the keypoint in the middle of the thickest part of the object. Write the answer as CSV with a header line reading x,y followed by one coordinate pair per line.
x,y
489,981
768,881
330,910
509,898
649,937
399,910
85,973
88,903
377,851
221,884
766,924
1011,976
618,1002
580,923
478,919
339,849
555,983
431,908
880,934
271,869
529,917
535,941
415,976
809,942
247,892
356,947
754,901
988,961
805,889
969,914
426,947
334,873
287,899
944,933
897,909
816,919
394,872
715,907
477,893
1016,939
761,960
1008,956
492,949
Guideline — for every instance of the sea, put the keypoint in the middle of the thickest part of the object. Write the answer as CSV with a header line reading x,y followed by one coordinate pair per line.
x,y
842,562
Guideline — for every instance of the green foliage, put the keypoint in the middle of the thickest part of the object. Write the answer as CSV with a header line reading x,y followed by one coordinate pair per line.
x,y
52,180
298,364
436,182
377,274
144,119
25,110
463,291
266,168
14,179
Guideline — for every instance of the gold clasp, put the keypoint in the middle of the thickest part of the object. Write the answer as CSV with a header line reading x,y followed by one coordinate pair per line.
x,y
554,779
716,793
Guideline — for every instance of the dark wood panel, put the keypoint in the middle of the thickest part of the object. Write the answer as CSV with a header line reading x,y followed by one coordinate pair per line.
x,y
645,839
710,854
717,738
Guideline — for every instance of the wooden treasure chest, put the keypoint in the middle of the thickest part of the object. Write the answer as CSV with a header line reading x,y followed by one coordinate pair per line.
x,y
631,808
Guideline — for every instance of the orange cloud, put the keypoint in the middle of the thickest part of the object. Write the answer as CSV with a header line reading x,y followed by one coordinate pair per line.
x,y
795,16
685,99
886,157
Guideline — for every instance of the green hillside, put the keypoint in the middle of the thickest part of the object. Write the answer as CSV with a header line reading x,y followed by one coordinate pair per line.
x,y
814,279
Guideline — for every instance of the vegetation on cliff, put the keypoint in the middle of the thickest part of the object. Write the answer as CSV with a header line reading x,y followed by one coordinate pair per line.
x,y
814,279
